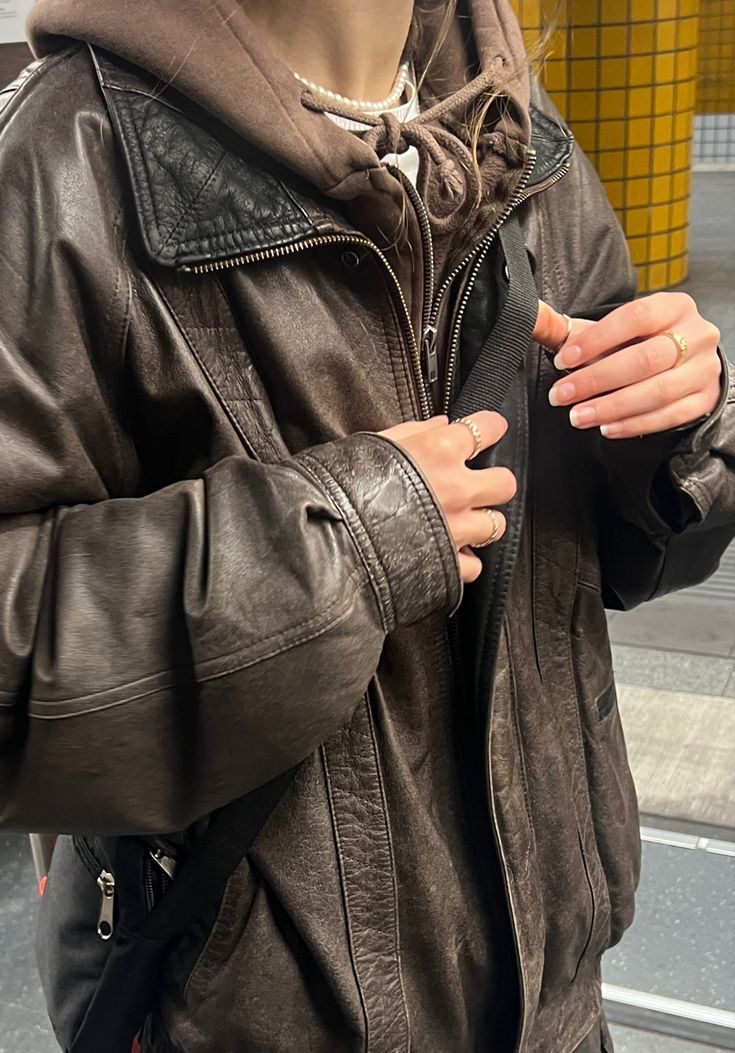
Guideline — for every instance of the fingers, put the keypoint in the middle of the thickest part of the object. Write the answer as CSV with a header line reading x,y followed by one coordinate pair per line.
x,y
648,396
631,323
490,487
629,366
551,327
489,428
675,415
470,565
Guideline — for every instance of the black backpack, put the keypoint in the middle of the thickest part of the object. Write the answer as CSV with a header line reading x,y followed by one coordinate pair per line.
x,y
101,986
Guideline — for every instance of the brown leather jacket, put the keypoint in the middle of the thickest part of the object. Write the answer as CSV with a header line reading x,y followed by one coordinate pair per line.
x,y
211,570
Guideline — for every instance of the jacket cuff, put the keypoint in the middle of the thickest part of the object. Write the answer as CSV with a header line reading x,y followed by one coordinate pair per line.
x,y
396,523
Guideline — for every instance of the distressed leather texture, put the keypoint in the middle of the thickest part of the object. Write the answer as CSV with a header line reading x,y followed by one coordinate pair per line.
x,y
213,569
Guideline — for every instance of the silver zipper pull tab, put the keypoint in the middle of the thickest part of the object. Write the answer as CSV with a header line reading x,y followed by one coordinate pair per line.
x,y
106,883
431,356
166,863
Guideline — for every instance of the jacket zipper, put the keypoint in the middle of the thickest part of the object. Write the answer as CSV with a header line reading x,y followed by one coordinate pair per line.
x,y
106,883
521,195
263,255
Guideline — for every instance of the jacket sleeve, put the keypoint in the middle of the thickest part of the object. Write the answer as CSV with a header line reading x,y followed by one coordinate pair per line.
x,y
163,654
667,508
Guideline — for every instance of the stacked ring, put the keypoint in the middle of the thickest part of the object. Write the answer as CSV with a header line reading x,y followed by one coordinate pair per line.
x,y
475,431
496,529
682,347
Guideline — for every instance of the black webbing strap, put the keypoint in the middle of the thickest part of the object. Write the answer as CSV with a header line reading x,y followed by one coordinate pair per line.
x,y
219,851
497,365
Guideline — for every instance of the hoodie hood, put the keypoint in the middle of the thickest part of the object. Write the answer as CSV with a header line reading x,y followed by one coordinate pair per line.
x,y
215,55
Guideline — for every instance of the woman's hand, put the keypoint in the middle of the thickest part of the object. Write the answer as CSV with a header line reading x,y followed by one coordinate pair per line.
x,y
441,450
629,377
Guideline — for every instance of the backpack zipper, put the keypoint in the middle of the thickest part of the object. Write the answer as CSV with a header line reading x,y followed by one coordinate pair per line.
x,y
106,883
166,872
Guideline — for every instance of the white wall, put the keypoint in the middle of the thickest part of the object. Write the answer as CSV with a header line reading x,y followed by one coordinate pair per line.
x,y
13,14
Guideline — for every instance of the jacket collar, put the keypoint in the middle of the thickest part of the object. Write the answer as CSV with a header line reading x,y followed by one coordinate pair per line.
x,y
200,199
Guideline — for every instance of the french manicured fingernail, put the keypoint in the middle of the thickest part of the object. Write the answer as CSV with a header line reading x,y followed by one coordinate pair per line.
x,y
568,357
561,394
611,431
583,416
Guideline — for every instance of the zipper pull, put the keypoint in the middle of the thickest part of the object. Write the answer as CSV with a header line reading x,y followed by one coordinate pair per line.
x,y
431,356
106,883
166,863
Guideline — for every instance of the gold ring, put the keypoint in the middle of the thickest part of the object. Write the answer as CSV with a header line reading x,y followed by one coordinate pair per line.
x,y
496,529
476,434
682,347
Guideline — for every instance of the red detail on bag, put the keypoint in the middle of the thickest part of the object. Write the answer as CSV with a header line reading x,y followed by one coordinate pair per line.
x,y
136,1046
42,885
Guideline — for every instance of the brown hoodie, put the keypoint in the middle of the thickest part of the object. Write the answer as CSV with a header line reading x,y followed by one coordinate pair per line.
x,y
213,53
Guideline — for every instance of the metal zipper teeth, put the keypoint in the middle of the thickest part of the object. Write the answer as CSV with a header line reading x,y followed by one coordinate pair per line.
x,y
88,857
479,255
334,239
422,215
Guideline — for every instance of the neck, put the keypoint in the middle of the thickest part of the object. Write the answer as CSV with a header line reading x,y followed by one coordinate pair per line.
x,y
352,48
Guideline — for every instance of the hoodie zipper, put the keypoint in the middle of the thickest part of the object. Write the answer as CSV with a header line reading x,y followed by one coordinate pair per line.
x,y
264,255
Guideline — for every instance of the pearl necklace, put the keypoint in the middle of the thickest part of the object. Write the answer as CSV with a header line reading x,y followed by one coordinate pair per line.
x,y
388,103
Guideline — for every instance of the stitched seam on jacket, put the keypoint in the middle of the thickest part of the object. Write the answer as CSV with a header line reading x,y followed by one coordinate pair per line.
x,y
167,686
430,516
394,882
360,536
343,889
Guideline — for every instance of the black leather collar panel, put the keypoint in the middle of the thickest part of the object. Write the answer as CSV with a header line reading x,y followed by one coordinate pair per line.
x,y
199,200
554,146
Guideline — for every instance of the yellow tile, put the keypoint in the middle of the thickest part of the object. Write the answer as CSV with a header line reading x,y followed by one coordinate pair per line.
x,y
555,76
686,96
681,183
661,188
662,162
612,104
640,70
584,43
639,131
638,248
660,218
609,10
637,221
679,218
667,9
582,106
663,99
666,38
682,155
640,102
686,63
665,68
583,74
613,73
663,128
645,10
679,242
638,162
642,38
611,164
613,41
637,192
657,277
678,271
659,247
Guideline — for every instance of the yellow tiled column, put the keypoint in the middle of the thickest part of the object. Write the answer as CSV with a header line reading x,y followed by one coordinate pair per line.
x,y
623,73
